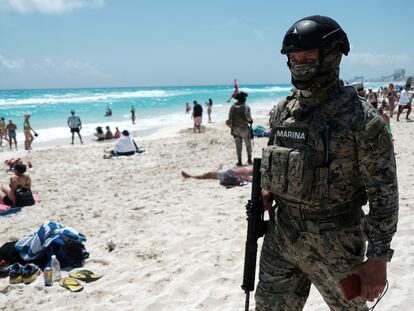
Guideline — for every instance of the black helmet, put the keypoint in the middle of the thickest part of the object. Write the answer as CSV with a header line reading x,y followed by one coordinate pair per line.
x,y
315,32
241,96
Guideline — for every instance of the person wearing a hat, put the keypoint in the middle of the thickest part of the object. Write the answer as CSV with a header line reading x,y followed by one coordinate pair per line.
x,y
240,121
75,125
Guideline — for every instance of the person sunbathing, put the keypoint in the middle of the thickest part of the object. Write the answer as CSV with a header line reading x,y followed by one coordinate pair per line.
x,y
244,172
20,179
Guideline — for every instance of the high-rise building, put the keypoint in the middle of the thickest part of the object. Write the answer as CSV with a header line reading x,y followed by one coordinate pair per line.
x,y
399,74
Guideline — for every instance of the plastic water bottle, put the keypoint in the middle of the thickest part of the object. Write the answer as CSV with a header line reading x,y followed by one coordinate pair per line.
x,y
54,263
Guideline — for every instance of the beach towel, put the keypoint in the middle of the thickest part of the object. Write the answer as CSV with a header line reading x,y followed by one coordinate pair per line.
x,y
53,238
6,210
260,131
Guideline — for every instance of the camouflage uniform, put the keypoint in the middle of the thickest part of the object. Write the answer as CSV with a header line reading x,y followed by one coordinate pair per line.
x,y
323,160
240,118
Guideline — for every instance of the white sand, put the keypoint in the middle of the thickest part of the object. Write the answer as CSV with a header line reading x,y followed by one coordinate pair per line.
x,y
179,243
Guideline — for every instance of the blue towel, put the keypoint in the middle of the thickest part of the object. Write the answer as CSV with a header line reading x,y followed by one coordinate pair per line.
x,y
36,244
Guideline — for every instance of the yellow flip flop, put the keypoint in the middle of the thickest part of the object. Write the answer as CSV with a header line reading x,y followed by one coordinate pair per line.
x,y
85,275
71,284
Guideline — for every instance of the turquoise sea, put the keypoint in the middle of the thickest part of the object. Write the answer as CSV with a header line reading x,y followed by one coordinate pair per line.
x,y
155,107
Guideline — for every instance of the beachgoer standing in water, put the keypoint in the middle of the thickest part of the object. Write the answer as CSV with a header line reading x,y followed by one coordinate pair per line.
x,y
11,132
209,105
187,108
75,125
133,114
27,130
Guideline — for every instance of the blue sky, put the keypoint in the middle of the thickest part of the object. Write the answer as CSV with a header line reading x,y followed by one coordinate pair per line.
x,y
87,43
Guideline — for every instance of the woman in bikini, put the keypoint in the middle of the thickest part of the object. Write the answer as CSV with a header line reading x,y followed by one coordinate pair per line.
x,y
27,130
20,179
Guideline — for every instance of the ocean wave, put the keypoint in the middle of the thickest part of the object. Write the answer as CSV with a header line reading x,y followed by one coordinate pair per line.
x,y
48,99
271,89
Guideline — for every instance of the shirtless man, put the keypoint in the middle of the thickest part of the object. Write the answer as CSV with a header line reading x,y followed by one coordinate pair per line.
x,y
11,132
244,172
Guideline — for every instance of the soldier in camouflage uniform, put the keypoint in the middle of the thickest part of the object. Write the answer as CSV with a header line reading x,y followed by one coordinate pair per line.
x,y
240,122
329,152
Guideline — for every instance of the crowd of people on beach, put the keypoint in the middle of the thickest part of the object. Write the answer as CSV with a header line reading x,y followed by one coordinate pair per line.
x,y
8,132
392,99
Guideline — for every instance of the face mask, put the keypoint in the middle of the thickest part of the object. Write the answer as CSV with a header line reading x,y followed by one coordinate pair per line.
x,y
304,72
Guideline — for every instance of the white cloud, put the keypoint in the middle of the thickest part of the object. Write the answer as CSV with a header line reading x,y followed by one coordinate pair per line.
x,y
79,67
375,60
47,6
10,65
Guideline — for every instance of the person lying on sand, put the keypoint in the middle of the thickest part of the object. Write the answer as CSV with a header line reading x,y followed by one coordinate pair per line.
x,y
244,172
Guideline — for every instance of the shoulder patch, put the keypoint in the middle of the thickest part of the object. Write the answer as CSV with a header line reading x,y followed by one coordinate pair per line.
x,y
384,141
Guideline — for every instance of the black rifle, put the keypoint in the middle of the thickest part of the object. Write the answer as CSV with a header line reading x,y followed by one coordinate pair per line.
x,y
256,228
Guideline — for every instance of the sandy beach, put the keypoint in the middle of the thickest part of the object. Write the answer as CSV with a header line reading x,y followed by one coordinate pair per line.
x,y
179,243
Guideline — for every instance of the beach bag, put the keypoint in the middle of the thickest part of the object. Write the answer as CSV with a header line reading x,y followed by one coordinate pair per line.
x,y
70,252
24,197
230,179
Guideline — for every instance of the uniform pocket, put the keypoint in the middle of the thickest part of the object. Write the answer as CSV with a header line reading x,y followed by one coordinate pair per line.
x,y
351,241
300,179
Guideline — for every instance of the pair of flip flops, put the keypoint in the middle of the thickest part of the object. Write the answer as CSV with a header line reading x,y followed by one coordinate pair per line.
x,y
23,274
71,283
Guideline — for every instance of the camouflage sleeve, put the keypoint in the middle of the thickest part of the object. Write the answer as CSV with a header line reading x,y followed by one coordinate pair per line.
x,y
274,116
248,115
230,117
377,165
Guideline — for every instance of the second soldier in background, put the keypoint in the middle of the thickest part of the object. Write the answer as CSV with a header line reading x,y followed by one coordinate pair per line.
x,y
240,121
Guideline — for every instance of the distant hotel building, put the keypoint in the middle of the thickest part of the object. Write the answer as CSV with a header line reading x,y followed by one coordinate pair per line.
x,y
399,74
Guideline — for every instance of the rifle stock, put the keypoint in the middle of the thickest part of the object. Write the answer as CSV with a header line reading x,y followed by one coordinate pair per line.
x,y
256,228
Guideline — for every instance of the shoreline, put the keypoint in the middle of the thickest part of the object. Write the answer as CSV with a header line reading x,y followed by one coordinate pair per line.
x,y
179,243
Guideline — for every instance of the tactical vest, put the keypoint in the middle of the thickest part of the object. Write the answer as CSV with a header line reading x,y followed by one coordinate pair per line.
x,y
313,162
239,116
